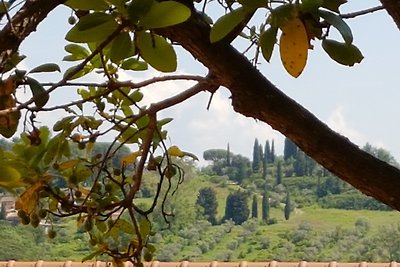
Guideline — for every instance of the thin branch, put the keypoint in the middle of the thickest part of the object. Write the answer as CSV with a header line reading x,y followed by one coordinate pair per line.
x,y
119,84
361,12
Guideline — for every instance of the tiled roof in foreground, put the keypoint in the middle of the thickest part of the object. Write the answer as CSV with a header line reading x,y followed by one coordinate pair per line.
x,y
199,264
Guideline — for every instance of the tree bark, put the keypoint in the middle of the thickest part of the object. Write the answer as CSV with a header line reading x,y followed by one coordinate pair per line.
x,y
393,8
23,23
254,96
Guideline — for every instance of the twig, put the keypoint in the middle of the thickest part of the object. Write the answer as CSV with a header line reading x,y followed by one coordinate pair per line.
x,y
361,12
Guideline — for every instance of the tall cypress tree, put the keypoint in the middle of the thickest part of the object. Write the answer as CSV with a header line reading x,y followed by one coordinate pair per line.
x,y
256,156
207,199
279,173
266,159
288,207
267,152
228,156
272,154
290,149
254,207
265,206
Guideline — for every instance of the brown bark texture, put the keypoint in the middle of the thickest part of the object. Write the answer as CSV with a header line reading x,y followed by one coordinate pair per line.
x,y
393,8
253,96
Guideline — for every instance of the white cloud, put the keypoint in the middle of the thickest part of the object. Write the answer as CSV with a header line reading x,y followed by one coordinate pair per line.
x,y
337,122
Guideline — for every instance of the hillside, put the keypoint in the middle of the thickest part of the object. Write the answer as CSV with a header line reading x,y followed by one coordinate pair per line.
x,y
312,233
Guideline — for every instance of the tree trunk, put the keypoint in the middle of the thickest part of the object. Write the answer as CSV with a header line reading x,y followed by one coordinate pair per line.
x,y
393,8
254,96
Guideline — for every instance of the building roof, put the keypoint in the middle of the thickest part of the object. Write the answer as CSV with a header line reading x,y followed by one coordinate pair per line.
x,y
199,264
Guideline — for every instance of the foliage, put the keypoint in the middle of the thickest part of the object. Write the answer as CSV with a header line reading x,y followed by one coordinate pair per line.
x,y
254,207
257,157
265,206
288,207
236,207
208,201
100,187
290,149
279,173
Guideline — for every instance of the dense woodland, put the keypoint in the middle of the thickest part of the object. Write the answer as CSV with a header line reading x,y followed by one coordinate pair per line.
x,y
273,206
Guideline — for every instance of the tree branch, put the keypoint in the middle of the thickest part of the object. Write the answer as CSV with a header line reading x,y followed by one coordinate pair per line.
x,y
23,23
361,12
393,8
255,96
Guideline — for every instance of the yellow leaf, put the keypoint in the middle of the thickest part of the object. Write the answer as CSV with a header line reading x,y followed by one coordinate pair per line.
x,y
293,46
67,164
10,177
130,158
29,198
175,151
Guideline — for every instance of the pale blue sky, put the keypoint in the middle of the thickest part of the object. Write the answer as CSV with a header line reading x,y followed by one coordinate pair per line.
x,y
361,102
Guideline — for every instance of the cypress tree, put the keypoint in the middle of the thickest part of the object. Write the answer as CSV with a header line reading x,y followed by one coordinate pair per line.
x,y
279,173
300,164
228,156
290,149
236,207
256,156
208,201
267,151
254,207
287,207
272,154
265,206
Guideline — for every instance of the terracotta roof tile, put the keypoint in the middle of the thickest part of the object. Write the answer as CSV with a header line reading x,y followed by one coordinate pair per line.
x,y
40,263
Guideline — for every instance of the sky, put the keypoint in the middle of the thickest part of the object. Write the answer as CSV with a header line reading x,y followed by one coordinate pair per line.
x,y
361,102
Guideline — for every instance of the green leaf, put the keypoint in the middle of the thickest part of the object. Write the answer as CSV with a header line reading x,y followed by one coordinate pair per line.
x,y
9,177
281,15
144,227
267,42
92,255
94,27
97,5
52,149
156,51
333,5
47,67
4,6
345,54
65,149
134,64
79,52
85,70
13,61
163,122
39,93
63,123
138,8
164,14
129,136
337,22
225,24
101,226
121,47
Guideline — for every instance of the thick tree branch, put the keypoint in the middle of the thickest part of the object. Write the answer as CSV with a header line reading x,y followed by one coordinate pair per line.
x,y
22,24
254,96
393,8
